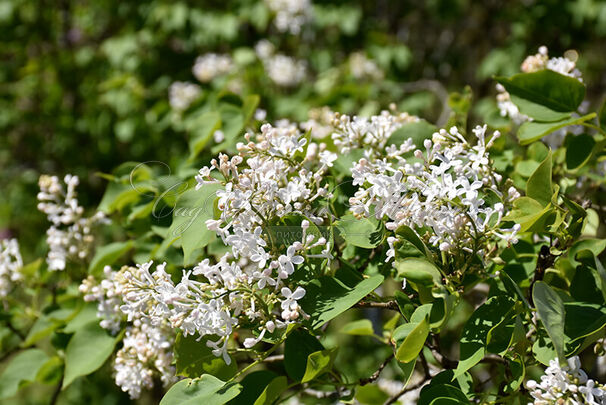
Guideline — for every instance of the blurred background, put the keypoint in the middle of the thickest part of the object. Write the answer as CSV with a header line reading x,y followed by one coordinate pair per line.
x,y
86,85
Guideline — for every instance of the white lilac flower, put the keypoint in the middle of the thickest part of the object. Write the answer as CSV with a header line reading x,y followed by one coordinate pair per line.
x,y
10,265
69,236
370,133
566,384
146,352
441,189
212,65
363,68
147,345
291,15
269,179
285,71
182,94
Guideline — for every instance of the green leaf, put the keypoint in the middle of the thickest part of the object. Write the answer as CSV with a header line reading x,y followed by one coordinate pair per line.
x,y
207,390
194,358
297,348
87,314
411,236
318,363
537,111
107,255
47,324
417,131
363,232
552,313
253,385
86,351
539,185
547,88
518,371
413,343
202,128
23,367
193,209
344,162
272,392
327,297
370,394
362,327
419,271
534,130
578,151
476,330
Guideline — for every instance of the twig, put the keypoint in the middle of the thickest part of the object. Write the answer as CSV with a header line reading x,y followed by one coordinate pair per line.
x,y
56,393
392,305
395,398
376,374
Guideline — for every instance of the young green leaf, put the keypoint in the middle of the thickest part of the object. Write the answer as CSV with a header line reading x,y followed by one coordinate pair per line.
x,y
547,88
193,209
194,358
327,297
534,130
207,390
413,343
364,232
419,271
552,313
23,367
476,329
86,351
362,327
107,255
297,348
579,151
539,185
272,392
318,363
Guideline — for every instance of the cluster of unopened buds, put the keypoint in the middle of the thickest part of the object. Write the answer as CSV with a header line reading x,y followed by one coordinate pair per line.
x,y
70,235
566,384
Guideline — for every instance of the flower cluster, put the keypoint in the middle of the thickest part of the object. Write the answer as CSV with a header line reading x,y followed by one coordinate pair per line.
x,y
10,265
69,236
441,191
283,70
270,179
371,133
182,94
566,384
212,65
291,15
363,68
147,346
535,63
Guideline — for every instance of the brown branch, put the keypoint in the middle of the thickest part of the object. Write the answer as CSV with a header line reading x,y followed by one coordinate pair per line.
x,y
392,305
395,398
376,374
